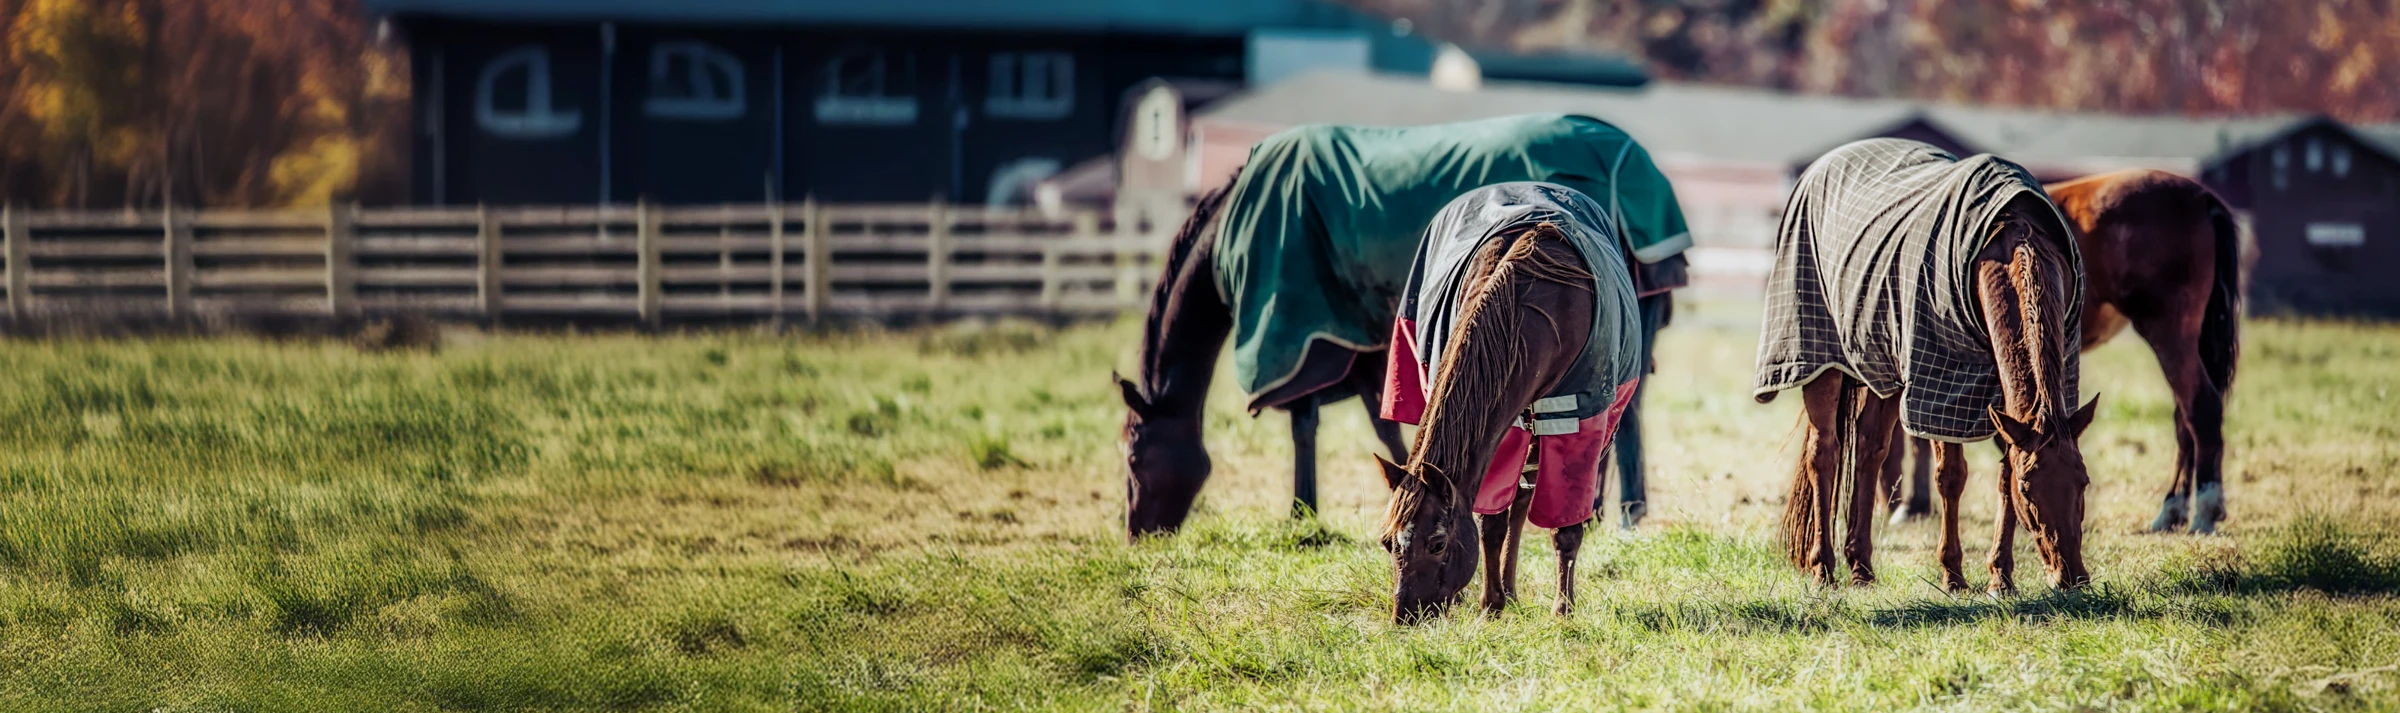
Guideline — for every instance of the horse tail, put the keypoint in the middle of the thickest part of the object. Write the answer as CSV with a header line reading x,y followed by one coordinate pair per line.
x,y
2220,327
1800,505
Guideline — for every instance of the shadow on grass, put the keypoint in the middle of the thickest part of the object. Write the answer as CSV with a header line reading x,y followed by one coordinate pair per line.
x,y
2314,553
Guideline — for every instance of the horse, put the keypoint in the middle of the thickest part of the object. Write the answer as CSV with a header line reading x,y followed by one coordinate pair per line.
x,y
1914,287
2160,254
1526,314
1246,246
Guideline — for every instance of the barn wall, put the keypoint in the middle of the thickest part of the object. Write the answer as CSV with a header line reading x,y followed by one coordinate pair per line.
x,y
513,113
2339,272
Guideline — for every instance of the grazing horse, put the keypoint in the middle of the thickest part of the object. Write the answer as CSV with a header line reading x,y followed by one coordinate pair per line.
x,y
1517,352
1299,260
2160,253
1914,287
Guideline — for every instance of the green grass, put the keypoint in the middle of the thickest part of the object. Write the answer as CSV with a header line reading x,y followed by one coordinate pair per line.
x,y
927,520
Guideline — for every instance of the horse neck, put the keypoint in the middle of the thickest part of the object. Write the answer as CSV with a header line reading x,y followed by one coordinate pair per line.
x,y
2025,302
1187,326
1487,376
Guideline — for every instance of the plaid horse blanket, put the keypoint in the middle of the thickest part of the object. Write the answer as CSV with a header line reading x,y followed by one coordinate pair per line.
x,y
1317,234
1874,275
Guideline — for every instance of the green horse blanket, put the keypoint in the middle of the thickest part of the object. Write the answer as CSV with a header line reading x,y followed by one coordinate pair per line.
x,y
1322,225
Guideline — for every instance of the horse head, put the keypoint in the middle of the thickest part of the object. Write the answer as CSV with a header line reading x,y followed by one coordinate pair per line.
x,y
1164,462
1431,534
2047,461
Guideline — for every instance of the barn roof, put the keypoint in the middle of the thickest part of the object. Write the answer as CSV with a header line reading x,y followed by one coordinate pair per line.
x,y
2381,138
1232,18
1743,124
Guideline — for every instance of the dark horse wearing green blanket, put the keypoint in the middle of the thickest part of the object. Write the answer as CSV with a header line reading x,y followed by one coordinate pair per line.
x,y
1300,261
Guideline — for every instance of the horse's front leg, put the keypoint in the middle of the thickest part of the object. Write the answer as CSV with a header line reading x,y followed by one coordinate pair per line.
x,y
2004,547
1569,542
1304,456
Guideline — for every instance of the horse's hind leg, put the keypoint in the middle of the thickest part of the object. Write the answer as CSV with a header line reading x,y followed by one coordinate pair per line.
x,y
1569,542
1950,478
2199,427
1808,511
1874,420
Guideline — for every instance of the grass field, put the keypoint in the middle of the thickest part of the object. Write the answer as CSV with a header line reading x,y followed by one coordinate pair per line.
x,y
926,520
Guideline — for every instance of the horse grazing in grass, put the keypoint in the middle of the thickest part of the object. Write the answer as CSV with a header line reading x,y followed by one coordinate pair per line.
x,y
1517,352
1914,287
1300,260
2160,253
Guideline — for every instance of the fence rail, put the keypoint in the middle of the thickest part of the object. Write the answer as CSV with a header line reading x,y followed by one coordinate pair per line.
x,y
777,261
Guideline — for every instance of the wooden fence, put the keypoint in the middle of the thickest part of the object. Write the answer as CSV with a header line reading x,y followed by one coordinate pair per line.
x,y
652,263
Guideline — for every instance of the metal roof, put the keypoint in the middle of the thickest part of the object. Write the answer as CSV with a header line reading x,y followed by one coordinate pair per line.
x,y
1178,17
1749,124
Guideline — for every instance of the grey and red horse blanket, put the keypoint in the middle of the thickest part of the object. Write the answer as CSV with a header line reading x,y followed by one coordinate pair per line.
x,y
1874,275
1578,417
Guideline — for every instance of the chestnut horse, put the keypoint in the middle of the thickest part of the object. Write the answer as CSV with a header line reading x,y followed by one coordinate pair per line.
x,y
2160,253
1525,311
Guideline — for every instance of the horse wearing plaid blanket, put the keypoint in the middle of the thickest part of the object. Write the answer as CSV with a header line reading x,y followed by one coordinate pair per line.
x,y
1914,287
2160,254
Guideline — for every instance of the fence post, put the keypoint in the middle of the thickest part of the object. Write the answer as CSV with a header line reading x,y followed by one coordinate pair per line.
x,y
645,238
487,264
820,257
12,227
1050,265
341,272
178,263
937,255
775,263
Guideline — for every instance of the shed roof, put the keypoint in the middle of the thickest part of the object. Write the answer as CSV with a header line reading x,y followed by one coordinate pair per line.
x,y
1230,18
1746,124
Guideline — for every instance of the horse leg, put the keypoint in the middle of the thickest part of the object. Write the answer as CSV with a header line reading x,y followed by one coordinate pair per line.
x,y
1874,421
1304,457
1632,473
2199,424
1950,478
1890,485
2173,510
2208,460
2004,547
1501,534
1808,512
1569,542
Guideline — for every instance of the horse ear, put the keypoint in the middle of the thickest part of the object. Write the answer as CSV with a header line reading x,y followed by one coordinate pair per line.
x,y
2083,416
1393,473
2015,433
1132,393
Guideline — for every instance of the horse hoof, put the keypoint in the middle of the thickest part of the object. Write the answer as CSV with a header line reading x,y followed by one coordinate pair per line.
x,y
1634,512
2208,509
2170,516
1903,514
1565,609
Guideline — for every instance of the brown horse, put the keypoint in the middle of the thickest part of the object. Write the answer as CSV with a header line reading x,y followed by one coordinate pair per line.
x,y
2160,253
1526,312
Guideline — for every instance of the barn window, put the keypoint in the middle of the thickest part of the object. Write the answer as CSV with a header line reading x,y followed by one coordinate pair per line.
x,y
694,81
2282,159
2341,161
1031,85
2337,235
513,97
869,86
2316,155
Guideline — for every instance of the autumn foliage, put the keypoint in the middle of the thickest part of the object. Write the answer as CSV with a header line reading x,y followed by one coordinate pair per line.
x,y
2210,57
198,102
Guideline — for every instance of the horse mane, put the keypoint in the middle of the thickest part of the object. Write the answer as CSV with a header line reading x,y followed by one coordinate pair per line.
x,y
1483,360
1166,296
2037,270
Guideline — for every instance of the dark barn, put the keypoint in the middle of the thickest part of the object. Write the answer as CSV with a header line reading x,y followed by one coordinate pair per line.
x,y
709,101
2324,206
